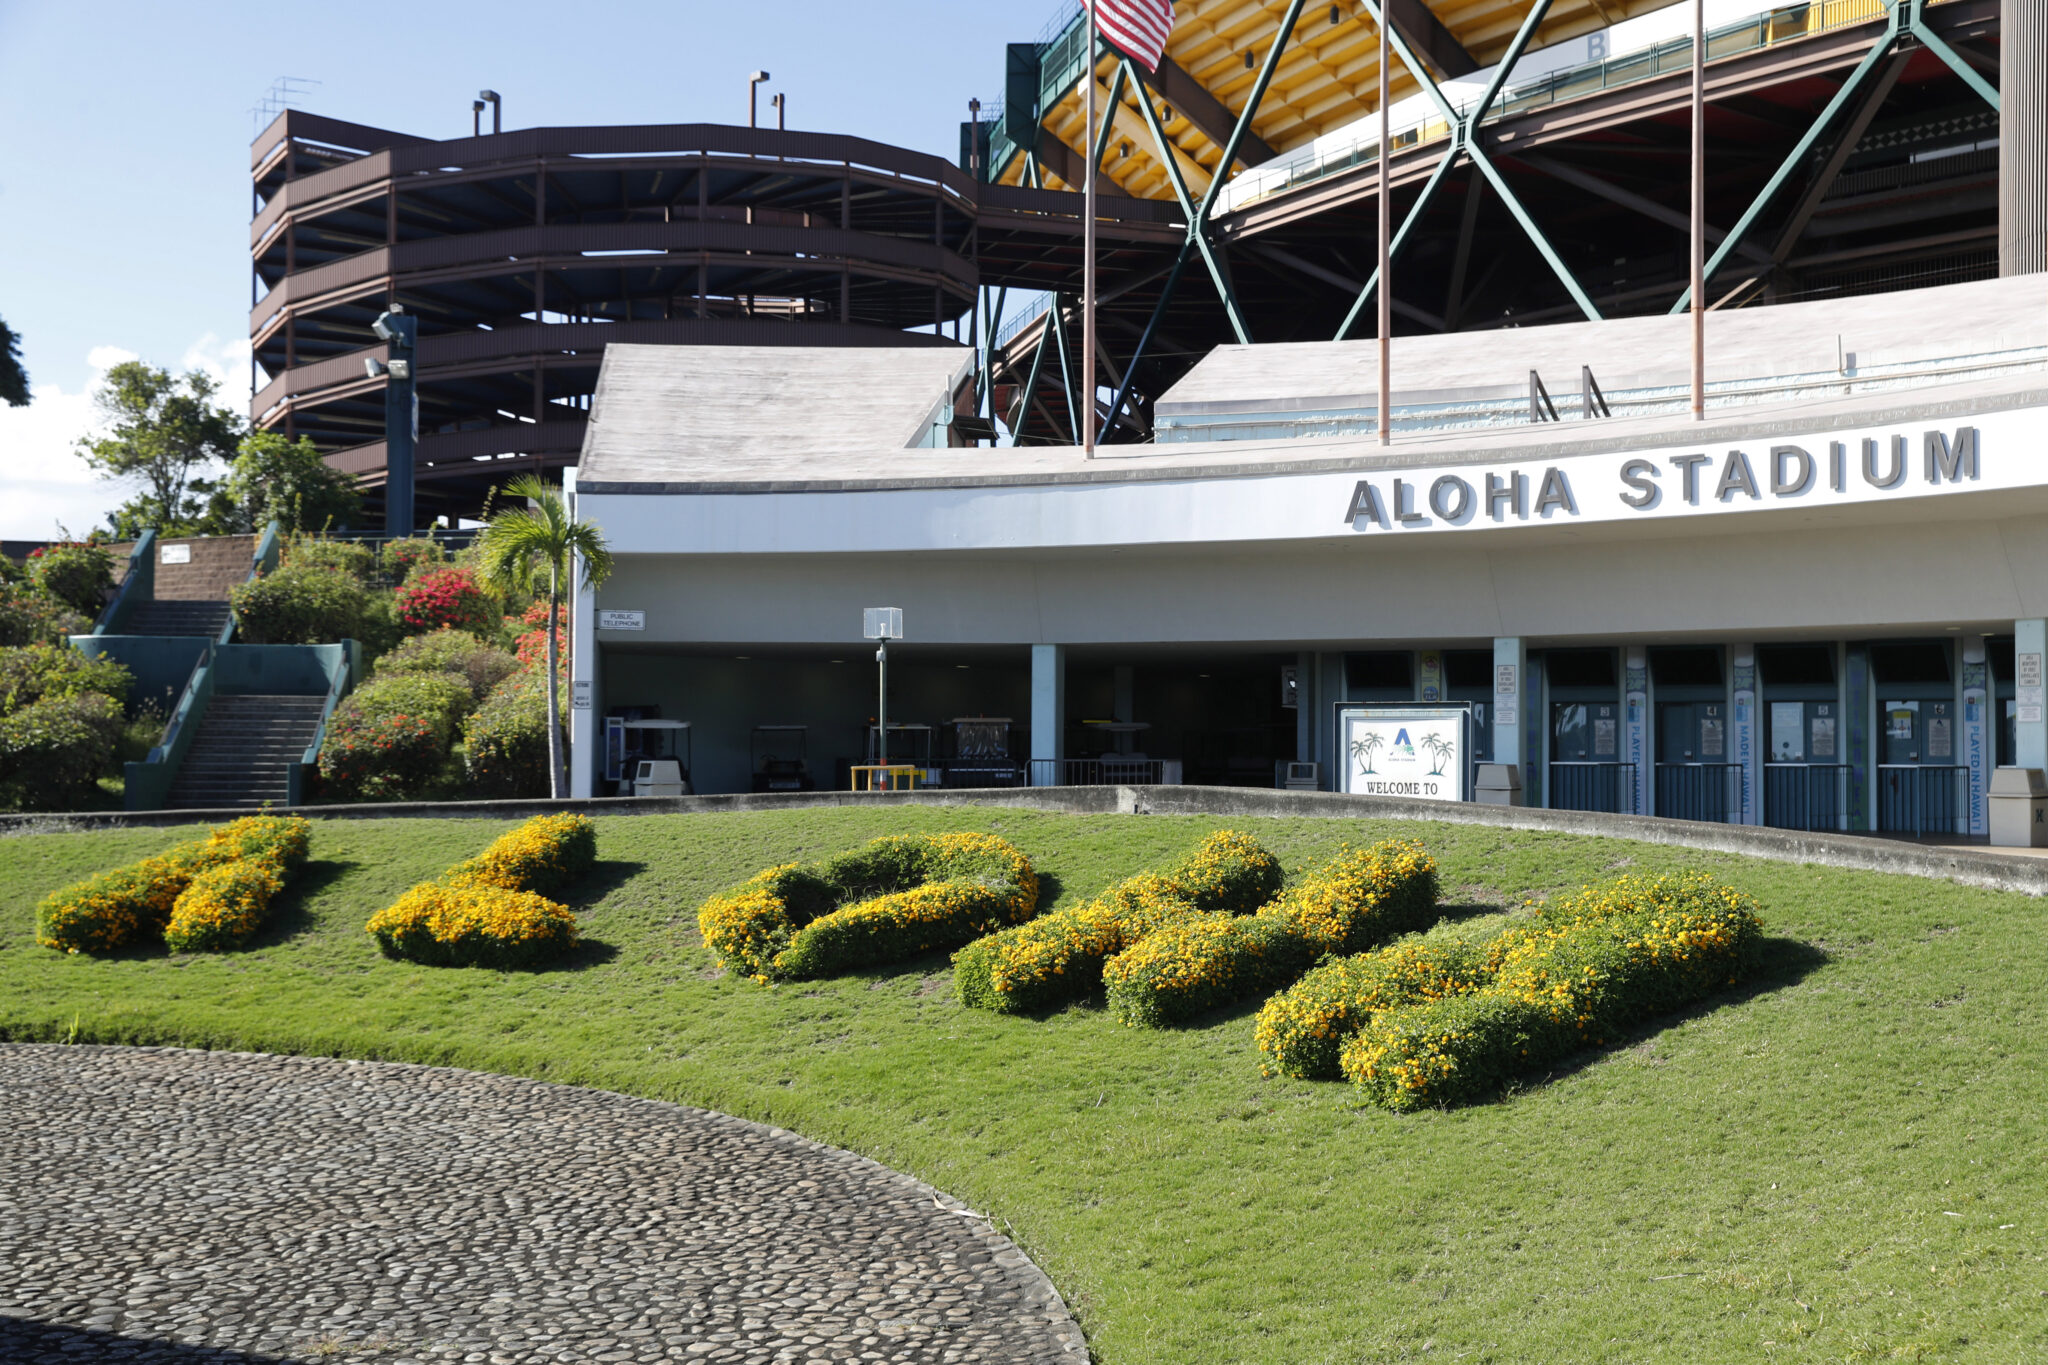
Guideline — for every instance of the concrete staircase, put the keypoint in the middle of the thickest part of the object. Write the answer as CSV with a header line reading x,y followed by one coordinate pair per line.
x,y
245,746
177,617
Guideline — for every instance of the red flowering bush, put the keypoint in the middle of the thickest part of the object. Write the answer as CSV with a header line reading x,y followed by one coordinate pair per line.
x,y
390,757
451,599
80,576
532,645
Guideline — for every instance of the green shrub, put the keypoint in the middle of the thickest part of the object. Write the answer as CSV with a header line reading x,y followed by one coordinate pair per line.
x,y
30,673
29,617
224,906
300,605
481,665
545,854
341,556
79,576
53,752
897,896
505,740
471,925
1059,957
110,911
1361,897
1586,968
1300,1031
440,699
400,559
381,758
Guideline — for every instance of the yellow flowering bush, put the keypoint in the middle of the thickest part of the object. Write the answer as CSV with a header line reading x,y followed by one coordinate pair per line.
x,y
1300,1031
545,854
225,905
1058,957
488,911
1583,969
114,909
894,897
471,924
1361,897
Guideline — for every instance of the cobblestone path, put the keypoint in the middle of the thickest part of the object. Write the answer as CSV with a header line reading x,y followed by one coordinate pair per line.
x,y
185,1207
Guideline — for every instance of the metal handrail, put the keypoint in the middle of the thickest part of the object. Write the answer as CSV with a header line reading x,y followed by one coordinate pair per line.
x,y
140,579
269,550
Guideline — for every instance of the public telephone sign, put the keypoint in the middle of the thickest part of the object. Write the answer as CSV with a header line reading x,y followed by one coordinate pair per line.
x,y
1424,752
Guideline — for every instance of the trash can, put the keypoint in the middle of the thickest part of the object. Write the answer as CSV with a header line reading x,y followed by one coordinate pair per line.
x,y
1500,784
2019,808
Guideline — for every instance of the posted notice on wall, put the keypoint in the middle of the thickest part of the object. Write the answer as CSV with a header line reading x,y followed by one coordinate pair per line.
x,y
1415,751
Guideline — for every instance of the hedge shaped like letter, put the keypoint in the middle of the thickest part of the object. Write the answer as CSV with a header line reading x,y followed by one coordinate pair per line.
x,y
1589,967
1360,898
144,900
489,911
1301,1030
1058,957
898,896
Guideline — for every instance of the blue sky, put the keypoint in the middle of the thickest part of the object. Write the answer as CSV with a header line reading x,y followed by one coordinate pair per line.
x,y
124,191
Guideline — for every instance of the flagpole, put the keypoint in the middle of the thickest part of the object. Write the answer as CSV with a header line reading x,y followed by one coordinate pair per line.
x,y
1386,299
1088,250
1698,245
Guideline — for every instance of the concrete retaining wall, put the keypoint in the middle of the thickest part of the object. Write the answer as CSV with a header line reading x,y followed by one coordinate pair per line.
x,y
1971,867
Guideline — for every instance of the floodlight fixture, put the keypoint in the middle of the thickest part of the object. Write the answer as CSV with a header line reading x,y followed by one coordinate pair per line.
x,y
883,624
400,369
497,109
753,88
375,368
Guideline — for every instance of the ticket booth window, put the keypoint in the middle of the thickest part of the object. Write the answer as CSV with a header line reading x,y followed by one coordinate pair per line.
x,y
1587,768
1696,778
1921,787
1806,781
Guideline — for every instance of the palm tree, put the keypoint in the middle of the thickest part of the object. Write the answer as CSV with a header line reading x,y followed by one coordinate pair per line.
x,y
1439,749
1362,749
526,546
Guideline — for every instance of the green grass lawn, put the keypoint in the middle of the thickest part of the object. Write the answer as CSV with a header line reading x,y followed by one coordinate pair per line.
x,y
1846,1160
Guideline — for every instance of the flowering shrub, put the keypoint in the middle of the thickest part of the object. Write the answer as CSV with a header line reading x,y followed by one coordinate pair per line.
x,y
1059,956
300,604
445,599
457,652
53,751
505,740
380,758
339,556
487,911
440,699
544,854
113,909
1362,897
79,576
474,925
532,643
898,896
1585,968
399,559
1301,1030
28,617
224,906
29,674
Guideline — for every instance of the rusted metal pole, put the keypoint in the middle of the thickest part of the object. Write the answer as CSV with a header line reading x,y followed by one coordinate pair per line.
x,y
1386,283
1088,249
1699,210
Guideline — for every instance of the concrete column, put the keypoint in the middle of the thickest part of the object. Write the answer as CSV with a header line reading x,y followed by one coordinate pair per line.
x,y
1048,713
2022,140
1635,714
1329,691
2030,721
1976,753
1745,745
586,736
1510,666
1855,737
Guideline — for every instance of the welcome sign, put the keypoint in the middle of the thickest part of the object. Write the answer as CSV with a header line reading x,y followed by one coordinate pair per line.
x,y
1415,751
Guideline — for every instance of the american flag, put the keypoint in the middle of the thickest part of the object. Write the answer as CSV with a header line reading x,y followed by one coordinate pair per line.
x,y
1136,27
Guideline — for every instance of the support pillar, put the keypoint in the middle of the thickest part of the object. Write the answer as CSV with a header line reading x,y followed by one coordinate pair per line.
x,y
1048,713
586,738
1635,740
1856,721
1304,707
1744,748
1509,669
2022,140
2030,720
1976,737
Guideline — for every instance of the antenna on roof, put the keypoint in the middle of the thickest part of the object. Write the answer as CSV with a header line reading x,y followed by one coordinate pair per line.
x,y
279,97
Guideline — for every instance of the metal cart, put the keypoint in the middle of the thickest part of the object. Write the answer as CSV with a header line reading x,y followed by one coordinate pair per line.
x,y
628,742
781,754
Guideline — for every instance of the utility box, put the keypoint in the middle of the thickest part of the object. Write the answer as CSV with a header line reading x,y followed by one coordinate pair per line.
x,y
1297,777
659,777
1500,784
2019,808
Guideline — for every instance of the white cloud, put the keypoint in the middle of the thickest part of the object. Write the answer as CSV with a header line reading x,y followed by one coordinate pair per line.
x,y
44,483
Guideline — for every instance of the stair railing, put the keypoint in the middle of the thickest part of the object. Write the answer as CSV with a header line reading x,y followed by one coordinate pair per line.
x,y
147,784
138,585
269,550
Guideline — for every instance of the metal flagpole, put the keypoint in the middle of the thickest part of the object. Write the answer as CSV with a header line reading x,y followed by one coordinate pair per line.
x,y
1386,283
1699,210
1088,250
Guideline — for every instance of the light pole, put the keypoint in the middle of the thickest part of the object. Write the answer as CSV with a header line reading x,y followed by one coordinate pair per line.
x,y
781,103
974,139
398,331
882,624
476,118
753,87
497,109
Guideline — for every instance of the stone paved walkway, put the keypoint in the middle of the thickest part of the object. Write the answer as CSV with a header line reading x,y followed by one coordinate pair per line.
x,y
164,1205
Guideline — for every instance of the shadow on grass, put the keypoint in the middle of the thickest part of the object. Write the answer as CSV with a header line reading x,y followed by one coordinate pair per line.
x,y
289,916
600,881
1050,889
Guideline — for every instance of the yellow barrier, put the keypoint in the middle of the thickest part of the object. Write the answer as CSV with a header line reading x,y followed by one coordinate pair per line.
x,y
889,777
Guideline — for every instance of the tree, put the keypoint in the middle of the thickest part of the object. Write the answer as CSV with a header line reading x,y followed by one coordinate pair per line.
x,y
165,434
274,479
522,549
1363,749
13,378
